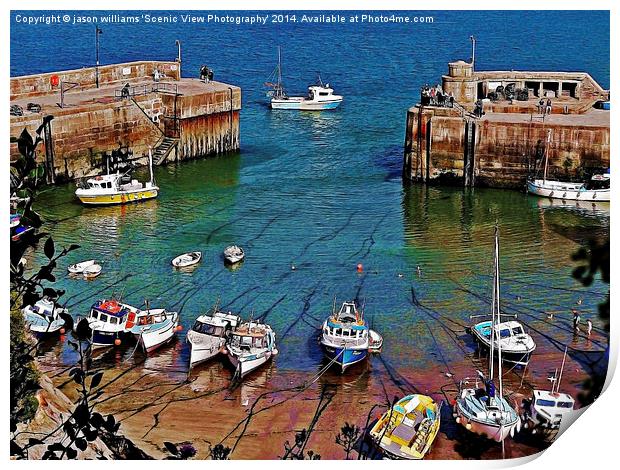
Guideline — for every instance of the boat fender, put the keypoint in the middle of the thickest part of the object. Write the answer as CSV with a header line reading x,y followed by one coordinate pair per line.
x,y
518,424
62,331
117,342
512,432
458,419
179,327
468,426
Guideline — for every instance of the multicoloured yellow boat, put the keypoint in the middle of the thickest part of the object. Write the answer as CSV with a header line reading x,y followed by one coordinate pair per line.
x,y
408,429
117,188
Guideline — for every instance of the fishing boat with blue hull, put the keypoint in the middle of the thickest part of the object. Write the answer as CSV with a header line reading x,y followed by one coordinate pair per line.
x,y
107,320
153,327
345,336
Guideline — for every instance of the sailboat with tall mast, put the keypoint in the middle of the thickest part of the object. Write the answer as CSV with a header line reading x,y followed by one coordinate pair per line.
x,y
597,189
320,96
479,407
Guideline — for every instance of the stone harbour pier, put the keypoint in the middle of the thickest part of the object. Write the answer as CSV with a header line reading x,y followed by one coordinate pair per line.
x,y
454,142
92,112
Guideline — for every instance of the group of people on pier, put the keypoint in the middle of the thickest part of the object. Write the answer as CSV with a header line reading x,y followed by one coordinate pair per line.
x,y
435,96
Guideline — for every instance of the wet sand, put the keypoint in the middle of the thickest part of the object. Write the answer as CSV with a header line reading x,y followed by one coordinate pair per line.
x,y
256,417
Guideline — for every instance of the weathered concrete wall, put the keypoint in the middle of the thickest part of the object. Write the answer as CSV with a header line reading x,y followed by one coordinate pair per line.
x,y
503,152
40,84
82,136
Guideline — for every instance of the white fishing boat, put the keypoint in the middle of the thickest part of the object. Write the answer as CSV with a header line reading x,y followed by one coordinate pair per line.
x,y
44,317
187,259
251,345
107,320
209,334
408,429
545,409
320,96
92,271
117,188
597,189
234,254
478,407
78,268
153,327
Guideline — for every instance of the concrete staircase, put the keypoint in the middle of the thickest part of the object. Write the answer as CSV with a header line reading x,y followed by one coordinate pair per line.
x,y
161,152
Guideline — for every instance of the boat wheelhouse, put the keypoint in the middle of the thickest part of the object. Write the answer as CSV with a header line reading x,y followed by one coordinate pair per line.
x,y
107,320
345,336
209,334
251,345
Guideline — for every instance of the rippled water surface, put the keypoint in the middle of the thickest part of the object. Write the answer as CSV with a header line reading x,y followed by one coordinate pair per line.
x,y
322,191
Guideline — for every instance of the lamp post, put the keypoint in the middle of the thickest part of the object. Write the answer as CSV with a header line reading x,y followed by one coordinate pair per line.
x,y
473,51
178,43
97,33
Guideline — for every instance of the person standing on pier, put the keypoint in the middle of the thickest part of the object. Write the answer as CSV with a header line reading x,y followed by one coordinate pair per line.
x,y
548,110
541,106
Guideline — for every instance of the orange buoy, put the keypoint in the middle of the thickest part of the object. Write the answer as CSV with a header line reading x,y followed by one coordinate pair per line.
x,y
117,342
62,331
179,327
360,267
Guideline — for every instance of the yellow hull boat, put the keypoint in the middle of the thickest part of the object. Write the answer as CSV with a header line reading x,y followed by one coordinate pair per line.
x,y
408,430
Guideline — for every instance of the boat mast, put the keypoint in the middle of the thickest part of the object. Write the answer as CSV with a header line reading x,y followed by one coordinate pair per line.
x,y
497,295
557,384
547,155
151,167
492,348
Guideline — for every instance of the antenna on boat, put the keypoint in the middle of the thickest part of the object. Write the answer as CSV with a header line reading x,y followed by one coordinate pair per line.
x,y
334,306
151,166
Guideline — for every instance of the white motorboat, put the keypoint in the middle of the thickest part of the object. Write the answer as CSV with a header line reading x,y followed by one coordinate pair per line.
x,y
320,96
153,327
517,345
92,271
595,190
208,336
375,342
545,409
44,317
187,259
480,409
233,254
117,188
78,268
252,344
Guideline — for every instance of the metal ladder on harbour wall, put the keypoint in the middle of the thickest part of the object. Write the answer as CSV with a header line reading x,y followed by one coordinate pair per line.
x,y
469,154
163,149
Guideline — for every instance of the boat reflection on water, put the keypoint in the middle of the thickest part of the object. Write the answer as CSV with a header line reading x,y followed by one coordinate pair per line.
x,y
591,207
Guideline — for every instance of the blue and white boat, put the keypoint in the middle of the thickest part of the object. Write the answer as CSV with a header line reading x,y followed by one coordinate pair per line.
x,y
153,327
107,320
44,317
345,336
320,96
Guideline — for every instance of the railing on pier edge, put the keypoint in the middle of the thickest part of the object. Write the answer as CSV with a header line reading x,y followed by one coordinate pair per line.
x,y
145,89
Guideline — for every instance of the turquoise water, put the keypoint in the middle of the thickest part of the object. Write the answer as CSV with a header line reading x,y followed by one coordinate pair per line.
x,y
322,191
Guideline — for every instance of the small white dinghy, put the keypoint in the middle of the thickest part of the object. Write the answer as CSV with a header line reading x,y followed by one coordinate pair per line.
x,y
79,268
234,254
375,341
91,272
187,259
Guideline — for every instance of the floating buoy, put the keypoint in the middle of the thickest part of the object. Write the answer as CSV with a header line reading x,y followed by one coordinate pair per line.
x,y
117,342
468,426
360,267
62,331
533,431
179,327
293,267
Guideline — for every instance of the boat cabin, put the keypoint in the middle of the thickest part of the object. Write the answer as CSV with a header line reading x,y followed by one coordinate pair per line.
x,y
320,93
502,330
44,308
208,327
249,337
560,401
109,312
